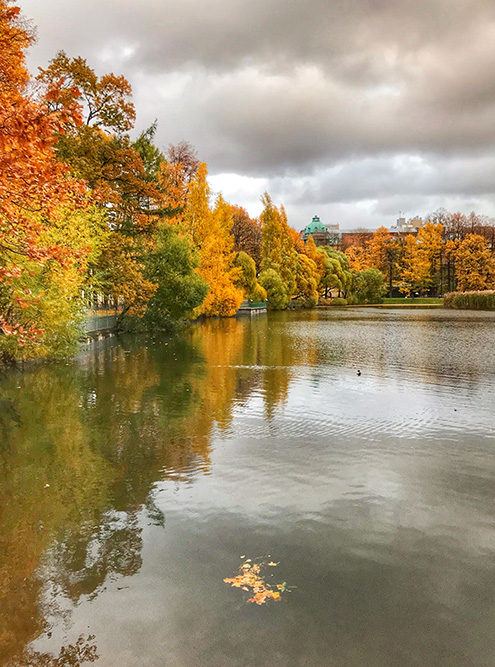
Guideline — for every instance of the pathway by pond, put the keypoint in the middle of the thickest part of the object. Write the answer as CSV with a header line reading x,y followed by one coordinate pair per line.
x,y
138,477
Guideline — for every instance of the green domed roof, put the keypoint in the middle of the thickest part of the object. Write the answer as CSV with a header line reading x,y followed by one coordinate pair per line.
x,y
315,225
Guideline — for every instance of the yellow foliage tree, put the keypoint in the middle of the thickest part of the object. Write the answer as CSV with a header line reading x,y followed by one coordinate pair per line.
x,y
317,255
278,250
359,259
210,231
377,250
430,240
307,279
475,264
415,266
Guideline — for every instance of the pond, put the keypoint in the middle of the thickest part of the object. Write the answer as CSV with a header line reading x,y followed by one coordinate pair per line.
x,y
354,448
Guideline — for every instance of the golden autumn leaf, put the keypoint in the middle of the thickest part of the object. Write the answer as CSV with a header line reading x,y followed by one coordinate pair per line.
x,y
249,579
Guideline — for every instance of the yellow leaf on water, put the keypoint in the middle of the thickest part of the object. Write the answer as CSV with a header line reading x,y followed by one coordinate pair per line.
x,y
249,579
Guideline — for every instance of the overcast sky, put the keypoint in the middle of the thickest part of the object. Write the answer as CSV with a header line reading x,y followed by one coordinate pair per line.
x,y
353,110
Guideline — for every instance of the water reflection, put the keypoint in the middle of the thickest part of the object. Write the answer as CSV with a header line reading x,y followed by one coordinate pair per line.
x,y
256,432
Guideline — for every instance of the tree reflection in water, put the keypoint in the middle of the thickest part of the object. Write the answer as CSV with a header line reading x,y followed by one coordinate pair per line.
x,y
83,444
72,655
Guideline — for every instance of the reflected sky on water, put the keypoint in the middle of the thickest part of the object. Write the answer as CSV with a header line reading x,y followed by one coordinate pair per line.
x,y
133,479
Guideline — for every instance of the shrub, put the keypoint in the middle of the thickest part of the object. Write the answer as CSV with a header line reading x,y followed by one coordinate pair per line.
x,y
470,300
338,301
309,302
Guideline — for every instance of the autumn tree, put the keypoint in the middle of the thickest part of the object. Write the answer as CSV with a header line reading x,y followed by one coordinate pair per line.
x,y
415,266
100,150
209,229
177,172
475,264
358,257
247,234
430,241
421,261
50,297
33,185
134,181
277,250
377,250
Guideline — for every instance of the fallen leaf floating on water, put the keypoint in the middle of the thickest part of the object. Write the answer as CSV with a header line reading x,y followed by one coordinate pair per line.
x,y
262,596
249,579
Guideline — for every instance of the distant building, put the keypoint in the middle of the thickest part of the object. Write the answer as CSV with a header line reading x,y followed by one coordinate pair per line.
x,y
409,227
331,235
322,234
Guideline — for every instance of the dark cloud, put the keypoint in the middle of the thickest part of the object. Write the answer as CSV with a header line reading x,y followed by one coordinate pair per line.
x,y
349,103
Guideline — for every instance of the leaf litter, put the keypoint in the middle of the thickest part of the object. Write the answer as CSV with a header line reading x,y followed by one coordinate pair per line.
x,y
250,578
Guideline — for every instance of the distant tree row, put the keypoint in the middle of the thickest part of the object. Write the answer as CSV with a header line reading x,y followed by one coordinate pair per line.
x,y
458,254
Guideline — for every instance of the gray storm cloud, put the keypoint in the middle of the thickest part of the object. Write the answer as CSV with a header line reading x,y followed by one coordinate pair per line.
x,y
338,104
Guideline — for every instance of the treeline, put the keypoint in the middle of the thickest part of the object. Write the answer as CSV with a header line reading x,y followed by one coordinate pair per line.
x,y
449,252
87,214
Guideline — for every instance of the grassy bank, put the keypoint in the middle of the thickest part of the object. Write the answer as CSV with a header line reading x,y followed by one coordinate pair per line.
x,y
425,302
411,302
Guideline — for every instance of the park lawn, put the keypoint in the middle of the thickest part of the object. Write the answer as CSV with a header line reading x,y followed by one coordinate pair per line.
x,y
409,301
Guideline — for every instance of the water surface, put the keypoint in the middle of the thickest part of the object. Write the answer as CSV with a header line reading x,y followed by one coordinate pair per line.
x,y
134,478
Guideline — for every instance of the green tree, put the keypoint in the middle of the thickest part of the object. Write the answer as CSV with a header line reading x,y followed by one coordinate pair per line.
x,y
275,288
337,274
247,279
307,279
171,265
368,286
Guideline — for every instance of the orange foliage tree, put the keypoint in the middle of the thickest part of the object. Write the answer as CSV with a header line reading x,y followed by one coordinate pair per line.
x,y
33,184
377,249
101,152
247,234
358,257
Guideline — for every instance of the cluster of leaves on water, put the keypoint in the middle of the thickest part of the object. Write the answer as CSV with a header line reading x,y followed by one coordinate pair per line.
x,y
249,578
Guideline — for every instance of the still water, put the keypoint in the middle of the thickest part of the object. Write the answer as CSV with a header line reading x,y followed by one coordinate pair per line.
x,y
134,478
